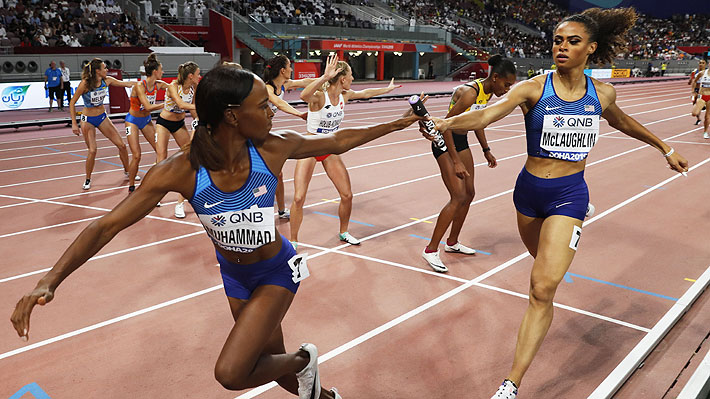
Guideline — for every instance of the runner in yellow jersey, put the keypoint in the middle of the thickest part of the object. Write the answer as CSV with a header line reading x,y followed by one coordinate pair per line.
x,y
457,165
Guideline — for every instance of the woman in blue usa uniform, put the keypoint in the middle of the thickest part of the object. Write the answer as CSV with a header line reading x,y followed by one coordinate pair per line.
x,y
326,98
562,111
229,175
93,89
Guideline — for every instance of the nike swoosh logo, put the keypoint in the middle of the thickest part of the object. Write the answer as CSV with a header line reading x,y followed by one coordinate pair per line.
x,y
208,206
550,109
566,203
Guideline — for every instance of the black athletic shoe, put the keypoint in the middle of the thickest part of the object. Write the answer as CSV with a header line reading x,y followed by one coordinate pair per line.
x,y
131,189
697,122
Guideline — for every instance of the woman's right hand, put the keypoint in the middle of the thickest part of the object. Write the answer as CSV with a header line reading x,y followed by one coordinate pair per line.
x,y
460,170
75,129
20,319
331,67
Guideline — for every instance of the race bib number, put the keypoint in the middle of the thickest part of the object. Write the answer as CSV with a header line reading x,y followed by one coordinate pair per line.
x,y
569,137
240,231
128,131
84,118
298,267
576,235
194,124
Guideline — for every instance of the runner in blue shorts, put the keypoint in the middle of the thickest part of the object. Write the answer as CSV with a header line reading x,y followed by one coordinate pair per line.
x,y
562,114
93,89
229,175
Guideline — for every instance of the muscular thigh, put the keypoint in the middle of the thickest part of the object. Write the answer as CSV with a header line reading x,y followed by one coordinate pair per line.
x,y
338,174
559,239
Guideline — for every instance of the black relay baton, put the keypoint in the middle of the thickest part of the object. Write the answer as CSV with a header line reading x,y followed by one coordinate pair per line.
x,y
419,110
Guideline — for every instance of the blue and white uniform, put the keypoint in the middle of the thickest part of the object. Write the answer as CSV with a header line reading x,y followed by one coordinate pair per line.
x,y
92,99
242,221
562,130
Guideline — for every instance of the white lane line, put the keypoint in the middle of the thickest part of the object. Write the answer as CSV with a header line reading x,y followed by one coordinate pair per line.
x,y
107,322
485,286
97,257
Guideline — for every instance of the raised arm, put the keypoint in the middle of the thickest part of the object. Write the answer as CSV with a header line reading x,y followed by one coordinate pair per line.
x,y
479,119
111,81
133,208
619,120
369,93
331,70
173,93
298,83
343,139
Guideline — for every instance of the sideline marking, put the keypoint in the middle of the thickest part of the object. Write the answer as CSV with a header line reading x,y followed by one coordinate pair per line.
x,y
33,389
425,221
338,217
689,279
569,275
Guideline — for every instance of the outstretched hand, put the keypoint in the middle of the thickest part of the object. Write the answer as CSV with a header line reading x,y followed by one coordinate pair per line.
x,y
331,67
392,86
21,316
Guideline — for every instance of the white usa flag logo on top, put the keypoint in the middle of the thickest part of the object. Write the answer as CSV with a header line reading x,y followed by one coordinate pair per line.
x,y
589,108
259,191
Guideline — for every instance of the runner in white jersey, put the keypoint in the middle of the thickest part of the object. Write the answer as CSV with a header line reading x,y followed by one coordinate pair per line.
x,y
277,76
695,87
702,80
179,98
326,99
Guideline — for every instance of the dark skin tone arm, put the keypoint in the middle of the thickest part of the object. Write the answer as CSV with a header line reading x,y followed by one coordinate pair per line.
x,y
176,174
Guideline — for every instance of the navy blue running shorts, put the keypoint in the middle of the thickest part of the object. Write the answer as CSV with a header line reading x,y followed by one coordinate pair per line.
x,y
536,197
240,281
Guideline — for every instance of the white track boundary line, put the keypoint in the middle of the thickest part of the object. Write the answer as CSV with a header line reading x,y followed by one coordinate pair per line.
x,y
631,362
698,386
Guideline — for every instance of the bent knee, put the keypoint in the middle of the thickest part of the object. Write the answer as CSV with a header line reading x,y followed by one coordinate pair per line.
x,y
230,378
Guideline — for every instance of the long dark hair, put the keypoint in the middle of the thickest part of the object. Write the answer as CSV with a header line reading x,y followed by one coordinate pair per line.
x,y
88,74
273,68
221,87
606,27
501,65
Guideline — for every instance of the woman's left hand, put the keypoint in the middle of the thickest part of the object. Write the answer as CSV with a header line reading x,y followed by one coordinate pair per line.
x,y
492,163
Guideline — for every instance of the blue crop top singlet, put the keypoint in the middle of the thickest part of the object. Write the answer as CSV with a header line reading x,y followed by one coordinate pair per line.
x,y
242,220
562,129
95,97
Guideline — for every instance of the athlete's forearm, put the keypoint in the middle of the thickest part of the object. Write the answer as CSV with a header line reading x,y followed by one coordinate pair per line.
x,y
347,139
87,244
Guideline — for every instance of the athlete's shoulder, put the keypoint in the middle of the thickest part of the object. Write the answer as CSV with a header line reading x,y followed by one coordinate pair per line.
x,y
604,89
